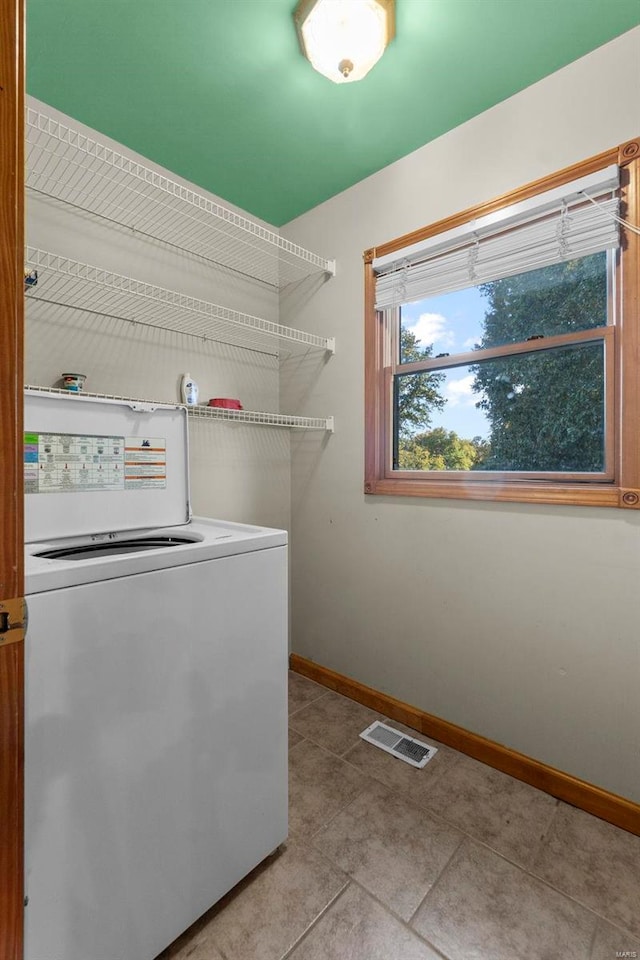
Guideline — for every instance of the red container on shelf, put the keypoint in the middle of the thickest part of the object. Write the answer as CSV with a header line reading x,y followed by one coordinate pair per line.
x,y
226,402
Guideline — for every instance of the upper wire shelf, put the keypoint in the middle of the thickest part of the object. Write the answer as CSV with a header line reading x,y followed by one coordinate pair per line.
x,y
72,167
70,283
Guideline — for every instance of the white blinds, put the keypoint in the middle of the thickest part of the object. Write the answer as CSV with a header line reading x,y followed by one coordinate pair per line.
x,y
550,228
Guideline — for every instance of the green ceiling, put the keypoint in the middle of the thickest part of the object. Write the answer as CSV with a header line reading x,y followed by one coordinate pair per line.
x,y
218,91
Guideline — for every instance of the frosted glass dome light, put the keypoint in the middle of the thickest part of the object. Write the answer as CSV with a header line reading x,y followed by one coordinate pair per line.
x,y
344,39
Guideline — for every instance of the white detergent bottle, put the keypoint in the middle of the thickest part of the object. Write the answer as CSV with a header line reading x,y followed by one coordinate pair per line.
x,y
189,390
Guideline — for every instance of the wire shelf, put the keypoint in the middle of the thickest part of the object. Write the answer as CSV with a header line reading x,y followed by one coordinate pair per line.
x,y
267,419
66,164
79,285
203,412
72,395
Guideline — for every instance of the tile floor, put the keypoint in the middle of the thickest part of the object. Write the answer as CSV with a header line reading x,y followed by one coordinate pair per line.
x,y
455,861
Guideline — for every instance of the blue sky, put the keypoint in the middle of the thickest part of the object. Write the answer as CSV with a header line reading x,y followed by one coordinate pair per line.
x,y
452,323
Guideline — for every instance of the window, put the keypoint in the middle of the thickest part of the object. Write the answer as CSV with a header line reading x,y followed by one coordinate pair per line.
x,y
502,344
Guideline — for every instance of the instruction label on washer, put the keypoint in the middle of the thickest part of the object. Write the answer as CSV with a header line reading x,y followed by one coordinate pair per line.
x,y
145,464
70,463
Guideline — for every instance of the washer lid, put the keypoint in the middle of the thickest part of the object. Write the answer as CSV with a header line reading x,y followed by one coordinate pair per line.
x,y
94,466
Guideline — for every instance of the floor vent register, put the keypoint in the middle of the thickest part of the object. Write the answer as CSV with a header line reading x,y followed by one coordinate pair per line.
x,y
398,744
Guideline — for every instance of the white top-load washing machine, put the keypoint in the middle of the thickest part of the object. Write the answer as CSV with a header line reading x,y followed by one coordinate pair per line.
x,y
155,742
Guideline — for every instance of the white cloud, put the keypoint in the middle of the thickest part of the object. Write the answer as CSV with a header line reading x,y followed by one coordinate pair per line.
x,y
432,328
470,343
459,393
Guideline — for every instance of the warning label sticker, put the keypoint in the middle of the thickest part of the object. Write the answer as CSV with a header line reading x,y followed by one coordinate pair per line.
x,y
70,463
145,464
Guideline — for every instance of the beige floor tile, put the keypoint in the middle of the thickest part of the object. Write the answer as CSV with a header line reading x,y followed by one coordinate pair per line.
x,y
391,846
594,862
357,928
265,917
320,785
484,908
370,816
413,783
192,947
504,813
334,722
303,691
610,942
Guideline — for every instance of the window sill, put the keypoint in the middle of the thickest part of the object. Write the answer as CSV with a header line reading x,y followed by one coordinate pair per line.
x,y
513,491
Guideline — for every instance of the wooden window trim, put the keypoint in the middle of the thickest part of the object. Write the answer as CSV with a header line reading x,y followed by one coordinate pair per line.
x,y
624,489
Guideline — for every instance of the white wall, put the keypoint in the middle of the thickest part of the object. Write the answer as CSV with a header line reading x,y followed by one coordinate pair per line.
x,y
517,622
238,472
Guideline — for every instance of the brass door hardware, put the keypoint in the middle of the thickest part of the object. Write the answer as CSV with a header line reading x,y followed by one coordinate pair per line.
x,y
13,621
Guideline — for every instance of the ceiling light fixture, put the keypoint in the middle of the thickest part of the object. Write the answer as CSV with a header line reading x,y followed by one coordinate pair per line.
x,y
344,39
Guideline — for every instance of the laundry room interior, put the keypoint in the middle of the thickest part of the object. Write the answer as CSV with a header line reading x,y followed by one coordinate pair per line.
x,y
200,202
